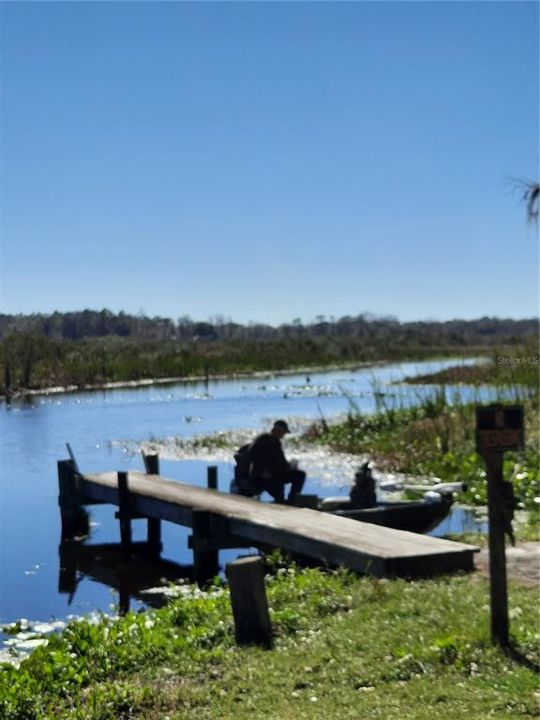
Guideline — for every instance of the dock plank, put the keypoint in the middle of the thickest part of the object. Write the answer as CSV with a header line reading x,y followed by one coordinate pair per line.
x,y
328,538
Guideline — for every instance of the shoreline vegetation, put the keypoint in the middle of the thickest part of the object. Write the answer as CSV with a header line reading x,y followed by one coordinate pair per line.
x,y
95,350
436,435
148,382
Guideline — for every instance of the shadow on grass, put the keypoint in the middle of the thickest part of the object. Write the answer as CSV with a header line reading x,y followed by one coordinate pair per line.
x,y
517,656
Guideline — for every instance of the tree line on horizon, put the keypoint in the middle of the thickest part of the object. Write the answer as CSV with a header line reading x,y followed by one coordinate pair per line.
x,y
92,348
88,324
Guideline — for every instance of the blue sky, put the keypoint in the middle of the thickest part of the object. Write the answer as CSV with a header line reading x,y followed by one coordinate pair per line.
x,y
267,161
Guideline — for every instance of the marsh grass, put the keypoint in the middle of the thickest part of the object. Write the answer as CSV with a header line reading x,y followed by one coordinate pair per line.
x,y
433,432
345,647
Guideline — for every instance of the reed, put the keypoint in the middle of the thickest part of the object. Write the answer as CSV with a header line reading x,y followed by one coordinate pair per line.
x,y
434,434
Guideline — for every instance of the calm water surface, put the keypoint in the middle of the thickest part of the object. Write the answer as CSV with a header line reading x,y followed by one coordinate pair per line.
x,y
33,436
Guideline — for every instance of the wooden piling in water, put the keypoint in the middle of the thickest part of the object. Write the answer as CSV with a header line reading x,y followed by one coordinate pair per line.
x,y
124,513
205,552
151,463
249,603
74,518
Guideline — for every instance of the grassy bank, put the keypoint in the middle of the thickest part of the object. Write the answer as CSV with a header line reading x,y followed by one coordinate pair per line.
x,y
345,647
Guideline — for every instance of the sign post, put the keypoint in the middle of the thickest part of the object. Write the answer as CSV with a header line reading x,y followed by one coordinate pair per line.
x,y
498,429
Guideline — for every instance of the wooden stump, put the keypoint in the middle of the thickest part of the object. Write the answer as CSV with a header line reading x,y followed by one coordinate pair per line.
x,y
249,603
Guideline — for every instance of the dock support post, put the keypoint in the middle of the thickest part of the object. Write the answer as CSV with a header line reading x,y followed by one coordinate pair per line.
x,y
249,603
124,514
151,463
124,600
74,517
211,477
205,559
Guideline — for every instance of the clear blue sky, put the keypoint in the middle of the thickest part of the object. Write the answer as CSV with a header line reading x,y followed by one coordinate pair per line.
x,y
267,161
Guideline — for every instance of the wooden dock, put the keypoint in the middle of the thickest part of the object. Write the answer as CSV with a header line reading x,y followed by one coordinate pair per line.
x,y
221,520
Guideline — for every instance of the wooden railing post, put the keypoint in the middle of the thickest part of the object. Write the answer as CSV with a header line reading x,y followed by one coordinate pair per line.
x,y
212,477
151,463
124,513
249,603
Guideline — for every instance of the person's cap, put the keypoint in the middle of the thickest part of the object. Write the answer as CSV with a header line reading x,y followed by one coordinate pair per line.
x,y
282,425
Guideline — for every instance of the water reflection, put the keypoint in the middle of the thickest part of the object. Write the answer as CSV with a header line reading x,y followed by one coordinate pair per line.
x,y
130,578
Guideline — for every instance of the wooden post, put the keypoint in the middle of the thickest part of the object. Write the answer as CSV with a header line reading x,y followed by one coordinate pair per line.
x,y
74,517
249,603
499,428
497,556
205,559
151,463
124,513
212,479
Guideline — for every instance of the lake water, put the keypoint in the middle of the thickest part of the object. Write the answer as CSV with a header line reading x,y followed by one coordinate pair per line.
x,y
105,427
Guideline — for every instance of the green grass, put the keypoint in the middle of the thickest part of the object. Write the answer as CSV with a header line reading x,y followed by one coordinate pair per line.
x,y
345,647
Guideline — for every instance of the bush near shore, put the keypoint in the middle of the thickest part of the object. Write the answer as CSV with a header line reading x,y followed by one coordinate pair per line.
x,y
345,647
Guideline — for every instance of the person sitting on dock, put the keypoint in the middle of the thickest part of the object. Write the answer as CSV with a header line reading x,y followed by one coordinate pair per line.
x,y
362,493
270,470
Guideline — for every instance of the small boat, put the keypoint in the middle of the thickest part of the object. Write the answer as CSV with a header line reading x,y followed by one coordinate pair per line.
x,y
418,516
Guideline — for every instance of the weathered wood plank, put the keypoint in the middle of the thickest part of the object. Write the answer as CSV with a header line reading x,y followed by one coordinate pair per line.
x,y
336,540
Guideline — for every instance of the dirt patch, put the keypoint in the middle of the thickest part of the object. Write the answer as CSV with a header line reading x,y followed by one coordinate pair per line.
x,y
522,563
